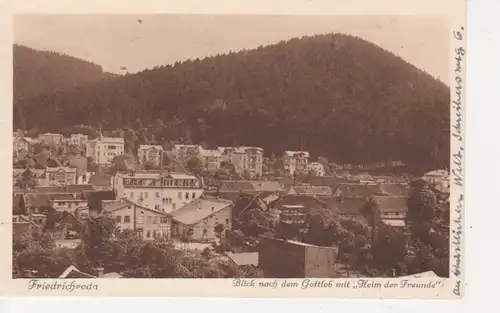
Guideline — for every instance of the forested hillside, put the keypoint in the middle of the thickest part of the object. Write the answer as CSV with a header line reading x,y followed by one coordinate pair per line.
x,y
333,95
38,72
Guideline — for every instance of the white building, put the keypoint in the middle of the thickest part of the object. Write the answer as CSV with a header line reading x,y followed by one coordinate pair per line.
x,y
248,159
167,193
105,149
149,153
317,167
78,139
295,161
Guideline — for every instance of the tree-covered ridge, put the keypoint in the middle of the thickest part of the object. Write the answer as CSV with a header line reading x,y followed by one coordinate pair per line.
x,y
38,72
333,95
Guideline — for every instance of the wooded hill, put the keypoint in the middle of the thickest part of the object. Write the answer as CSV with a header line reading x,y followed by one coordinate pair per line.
x,y
334,95
38,72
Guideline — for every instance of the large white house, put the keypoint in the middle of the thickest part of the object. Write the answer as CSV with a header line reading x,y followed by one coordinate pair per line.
x,y
164,192
149,153
105,149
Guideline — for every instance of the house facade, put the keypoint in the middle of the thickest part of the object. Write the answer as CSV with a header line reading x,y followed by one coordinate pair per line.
x,y
211,159
295,161
249,159
200,218
147,222
317,167
78,140
164,192
49,138
150,153
59,176
105,149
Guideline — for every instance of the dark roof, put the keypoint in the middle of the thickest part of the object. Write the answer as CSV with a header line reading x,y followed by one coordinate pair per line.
x,y
266,185
49,189
392,203
346,205
311,190
228,195
37,200
358,190
395,189
306,201
240,185
331,181
79,188
101,180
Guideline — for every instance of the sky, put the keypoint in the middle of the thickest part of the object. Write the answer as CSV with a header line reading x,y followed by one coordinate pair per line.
x,y
140,42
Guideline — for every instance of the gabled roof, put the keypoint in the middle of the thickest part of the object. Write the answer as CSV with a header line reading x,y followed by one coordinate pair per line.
x,y
306,201
266,185
110,206
199,209
311,190
241,185
392,203
73,272
49,189
228,195
246,258
395,189
358,190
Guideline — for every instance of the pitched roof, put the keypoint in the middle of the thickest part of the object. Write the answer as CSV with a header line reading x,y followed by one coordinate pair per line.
x,y
395,189
236,185
349,205
306,201
228,195
266,185
49,189
199,209
311,190
36,200
246,258
113,205
73,272
358,190
79,188
392,203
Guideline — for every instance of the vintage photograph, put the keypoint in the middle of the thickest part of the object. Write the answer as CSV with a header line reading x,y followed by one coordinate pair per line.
x,y
231,146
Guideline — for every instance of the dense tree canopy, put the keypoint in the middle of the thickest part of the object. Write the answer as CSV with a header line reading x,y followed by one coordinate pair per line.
x,y
335,95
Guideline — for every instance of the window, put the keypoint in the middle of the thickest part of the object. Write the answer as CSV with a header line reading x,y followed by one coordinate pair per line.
x,y
157,194
227,221
146,195
149,219
126,219
194,195
131,195
179,195
164,220
157,207
187,196
140,232
118,218
148,234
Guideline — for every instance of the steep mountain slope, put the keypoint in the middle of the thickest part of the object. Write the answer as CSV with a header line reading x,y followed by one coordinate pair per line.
x,y
334,95
38,72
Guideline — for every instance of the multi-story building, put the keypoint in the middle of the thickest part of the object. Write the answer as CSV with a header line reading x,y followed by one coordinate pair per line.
x,y
202,217
164,192
78,140
49,138
317,167
150,153
22,145
211,159
147,222
105,149
185,152
295,161
59,176
244,159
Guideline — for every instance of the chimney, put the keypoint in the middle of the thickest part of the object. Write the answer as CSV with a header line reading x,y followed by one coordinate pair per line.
x,y
100,271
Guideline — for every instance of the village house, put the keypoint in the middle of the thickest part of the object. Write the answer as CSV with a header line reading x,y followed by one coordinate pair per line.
x,y
78,140
280,258
244,159
59,176
392,209
146,222
184,153
104,149
72,272
49,138
165,192
317,167
295,161
244,259
150,154
22,146
211,159
69,202
198,219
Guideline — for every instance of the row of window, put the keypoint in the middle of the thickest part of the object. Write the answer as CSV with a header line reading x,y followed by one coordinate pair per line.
x,y
145,195
140,219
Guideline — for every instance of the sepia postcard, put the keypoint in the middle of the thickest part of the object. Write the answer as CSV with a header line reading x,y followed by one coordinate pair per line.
x,y
279,149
